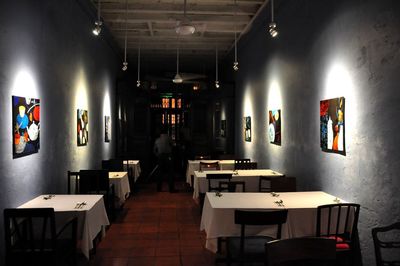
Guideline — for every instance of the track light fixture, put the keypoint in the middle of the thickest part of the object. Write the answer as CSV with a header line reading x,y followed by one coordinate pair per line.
x,y
273,31
125,63
97,28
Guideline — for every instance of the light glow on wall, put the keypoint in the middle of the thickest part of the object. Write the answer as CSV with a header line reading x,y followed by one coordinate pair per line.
x,y
274,96
248,111
25,85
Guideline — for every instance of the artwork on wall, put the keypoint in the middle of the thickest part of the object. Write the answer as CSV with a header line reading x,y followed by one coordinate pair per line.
x,y
223,128
83,124
26,126
107,129
274,127
247,128
332,125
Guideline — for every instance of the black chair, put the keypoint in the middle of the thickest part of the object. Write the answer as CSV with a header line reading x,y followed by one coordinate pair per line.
x,y
252,248
387,244
241,164
113,165
339,222
73,179
303,251
214,178
231,186
31,238
97,182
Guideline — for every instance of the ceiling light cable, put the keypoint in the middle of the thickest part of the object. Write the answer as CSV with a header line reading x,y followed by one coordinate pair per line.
x,y
125,63
97,28
216,67
272,26
235,63
138,68
177,78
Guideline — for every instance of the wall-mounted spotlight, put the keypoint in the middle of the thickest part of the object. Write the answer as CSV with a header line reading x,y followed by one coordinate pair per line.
x,y
272,25
97,28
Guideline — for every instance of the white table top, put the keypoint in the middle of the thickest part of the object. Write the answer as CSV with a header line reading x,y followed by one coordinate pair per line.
x,y
218,213
121,184
135,165
251,178
291,200
92,217
194,165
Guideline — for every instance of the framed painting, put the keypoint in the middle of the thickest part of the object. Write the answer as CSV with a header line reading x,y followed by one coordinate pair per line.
x,y
274,127
247,128
26,126
223,128
107,128
82,127
332,125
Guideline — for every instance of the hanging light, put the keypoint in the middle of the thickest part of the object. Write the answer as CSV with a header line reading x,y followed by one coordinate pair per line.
x,y
185,27
97,28
177,78
125,63
272,25
235,63
138,69
216,67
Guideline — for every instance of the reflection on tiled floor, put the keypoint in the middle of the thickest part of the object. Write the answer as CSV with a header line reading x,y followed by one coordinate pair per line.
x,y
155,228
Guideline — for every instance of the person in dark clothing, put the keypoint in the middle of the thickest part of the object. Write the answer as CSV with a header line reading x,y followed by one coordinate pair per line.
x,y
163,151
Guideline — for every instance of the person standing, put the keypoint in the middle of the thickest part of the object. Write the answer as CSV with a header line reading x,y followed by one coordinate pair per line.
x,y
163,151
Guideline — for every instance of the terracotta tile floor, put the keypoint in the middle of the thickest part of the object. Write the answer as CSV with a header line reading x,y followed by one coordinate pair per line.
x,y
155,228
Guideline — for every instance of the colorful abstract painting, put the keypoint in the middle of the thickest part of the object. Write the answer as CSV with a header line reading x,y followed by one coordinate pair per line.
x,y
82,127
223,128
26,126
107,128
274,127
247,128
332,126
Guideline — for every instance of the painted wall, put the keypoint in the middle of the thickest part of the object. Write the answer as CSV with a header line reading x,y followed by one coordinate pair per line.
x,y
47,51
328,49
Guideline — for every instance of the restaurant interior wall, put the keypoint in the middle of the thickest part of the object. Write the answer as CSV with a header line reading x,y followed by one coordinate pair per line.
x,y
328,49
48,52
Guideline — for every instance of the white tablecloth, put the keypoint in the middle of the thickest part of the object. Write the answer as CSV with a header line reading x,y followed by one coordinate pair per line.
x,y
120,181
135,166
92,217
218,213
194,165
251,178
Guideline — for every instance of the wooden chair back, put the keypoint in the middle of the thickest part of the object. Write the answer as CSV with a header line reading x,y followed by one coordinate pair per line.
x,y
31,237
283,184
387,244
214,178
250,218
339,221
310,251
231,186
72,181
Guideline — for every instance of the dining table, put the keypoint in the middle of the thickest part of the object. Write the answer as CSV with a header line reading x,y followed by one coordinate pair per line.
x,y
217,218
89,209
134,165
250,177
120,180
194,165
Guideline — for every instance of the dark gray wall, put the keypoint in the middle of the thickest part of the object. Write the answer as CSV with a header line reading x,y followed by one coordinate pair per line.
x,y
328,49
47,51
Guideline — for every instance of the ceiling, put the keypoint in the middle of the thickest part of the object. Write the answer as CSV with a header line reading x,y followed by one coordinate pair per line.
x,y
151,24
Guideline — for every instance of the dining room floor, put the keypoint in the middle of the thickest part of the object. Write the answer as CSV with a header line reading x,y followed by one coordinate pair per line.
x,y
155,228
